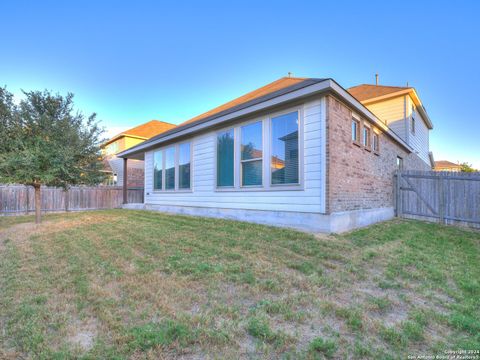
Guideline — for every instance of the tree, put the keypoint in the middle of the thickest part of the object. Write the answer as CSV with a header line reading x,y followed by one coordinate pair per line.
x,y
466,167
43,141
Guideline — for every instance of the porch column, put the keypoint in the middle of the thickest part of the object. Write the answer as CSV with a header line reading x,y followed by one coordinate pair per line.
x,y
125,182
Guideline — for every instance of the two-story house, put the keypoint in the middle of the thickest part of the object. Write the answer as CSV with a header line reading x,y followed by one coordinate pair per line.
x,y
298,152
402,111
124,141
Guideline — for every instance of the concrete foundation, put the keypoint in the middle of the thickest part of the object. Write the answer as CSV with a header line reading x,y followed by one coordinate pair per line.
x,y
310,222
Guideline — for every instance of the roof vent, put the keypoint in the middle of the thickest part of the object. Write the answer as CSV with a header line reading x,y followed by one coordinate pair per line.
x,y
376,79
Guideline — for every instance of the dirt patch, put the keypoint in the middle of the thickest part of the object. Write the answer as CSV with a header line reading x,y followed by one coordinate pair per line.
x,y
82,333
21,232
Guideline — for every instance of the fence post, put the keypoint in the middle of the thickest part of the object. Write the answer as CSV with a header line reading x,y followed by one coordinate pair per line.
x,y
28,199
67,200
441,198
398,194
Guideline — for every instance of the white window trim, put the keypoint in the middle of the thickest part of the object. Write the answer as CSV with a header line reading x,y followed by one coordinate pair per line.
x,y
239,148
176,189
153,172
369,145
376,133
174,168
235,158
358,133
266,151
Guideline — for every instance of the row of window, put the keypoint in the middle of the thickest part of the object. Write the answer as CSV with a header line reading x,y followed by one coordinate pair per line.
x,y
248,141
367,138
240,153
171,168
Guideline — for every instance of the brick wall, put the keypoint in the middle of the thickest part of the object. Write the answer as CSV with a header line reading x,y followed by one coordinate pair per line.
x,y
135,177
357,178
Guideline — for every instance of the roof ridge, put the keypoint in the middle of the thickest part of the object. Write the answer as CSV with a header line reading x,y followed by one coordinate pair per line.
x,y
245,97
389,86
231,105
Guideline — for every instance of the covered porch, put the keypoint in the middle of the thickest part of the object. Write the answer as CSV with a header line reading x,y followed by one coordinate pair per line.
x,y
133,196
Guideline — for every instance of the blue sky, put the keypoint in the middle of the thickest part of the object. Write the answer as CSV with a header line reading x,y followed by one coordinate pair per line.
x,y
135,61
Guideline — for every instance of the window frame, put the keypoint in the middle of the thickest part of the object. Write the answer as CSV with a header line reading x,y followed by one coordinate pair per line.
x,y
367,146
235,155
266,153
356,141
241,162
376,134
399,163
300,151
176,188
164,184
163,170
177,166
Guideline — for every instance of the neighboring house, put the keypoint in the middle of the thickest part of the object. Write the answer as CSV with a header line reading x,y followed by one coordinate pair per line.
x,y
124,141
444,165
299,152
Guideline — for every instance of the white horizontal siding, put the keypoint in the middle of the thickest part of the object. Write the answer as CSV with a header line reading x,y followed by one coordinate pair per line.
x,y
419,140
397,114
309,199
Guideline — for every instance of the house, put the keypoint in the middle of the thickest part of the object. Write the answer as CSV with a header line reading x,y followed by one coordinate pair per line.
x,y
445,165
123,141
298,152
402,111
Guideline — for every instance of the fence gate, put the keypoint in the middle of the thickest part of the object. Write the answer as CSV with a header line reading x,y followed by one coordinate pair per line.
x,y
447,197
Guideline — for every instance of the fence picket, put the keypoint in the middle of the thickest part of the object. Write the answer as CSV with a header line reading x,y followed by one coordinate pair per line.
x,y
19,199
449,198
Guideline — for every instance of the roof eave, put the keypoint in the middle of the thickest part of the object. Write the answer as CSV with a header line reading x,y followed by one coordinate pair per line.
x,y
421,109
325,86
119,136
415,98
363,110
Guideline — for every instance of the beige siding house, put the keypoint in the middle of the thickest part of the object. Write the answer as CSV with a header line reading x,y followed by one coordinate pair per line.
x,y
123,141
445,165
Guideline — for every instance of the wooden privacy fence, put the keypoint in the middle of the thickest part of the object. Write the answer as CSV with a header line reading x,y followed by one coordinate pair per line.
x,y
19,199
446,197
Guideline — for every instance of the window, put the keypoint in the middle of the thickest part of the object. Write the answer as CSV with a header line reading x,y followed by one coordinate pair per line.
x,y
264,153
412,121
166,165
170,168
399,163
284,154
376,142
366,137
355,130
251,154
184,166
158,170
225,158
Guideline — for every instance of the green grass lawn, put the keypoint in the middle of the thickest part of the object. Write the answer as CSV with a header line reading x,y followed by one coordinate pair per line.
x,y
143,285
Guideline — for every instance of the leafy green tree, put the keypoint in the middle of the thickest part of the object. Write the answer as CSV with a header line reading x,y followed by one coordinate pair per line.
x,y
44,141
466,167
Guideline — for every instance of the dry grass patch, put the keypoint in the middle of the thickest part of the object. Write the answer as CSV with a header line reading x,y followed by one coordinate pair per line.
x,y
143,285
